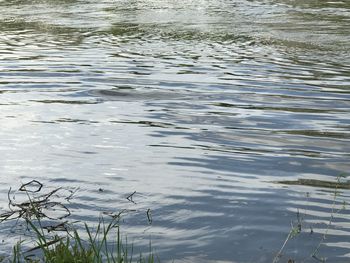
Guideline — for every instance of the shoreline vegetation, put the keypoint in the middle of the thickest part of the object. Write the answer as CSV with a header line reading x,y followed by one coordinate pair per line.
x,y
104,245
298,226
62,242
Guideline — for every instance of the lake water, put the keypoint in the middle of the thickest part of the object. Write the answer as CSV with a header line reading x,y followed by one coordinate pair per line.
x,y
199,106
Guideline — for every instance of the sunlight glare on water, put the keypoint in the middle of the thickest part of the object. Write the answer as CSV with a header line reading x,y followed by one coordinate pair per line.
x,y
201,107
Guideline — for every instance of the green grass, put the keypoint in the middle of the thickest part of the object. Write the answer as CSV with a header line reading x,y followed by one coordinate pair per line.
x,y
104,245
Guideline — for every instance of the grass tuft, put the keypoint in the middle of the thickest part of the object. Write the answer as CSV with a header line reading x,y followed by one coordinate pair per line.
x,y
99,247
102,244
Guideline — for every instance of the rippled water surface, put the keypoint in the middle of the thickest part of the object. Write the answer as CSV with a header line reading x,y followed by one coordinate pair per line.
x,y
199,106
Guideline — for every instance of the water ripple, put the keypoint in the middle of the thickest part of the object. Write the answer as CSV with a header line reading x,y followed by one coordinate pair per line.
x,y
201,107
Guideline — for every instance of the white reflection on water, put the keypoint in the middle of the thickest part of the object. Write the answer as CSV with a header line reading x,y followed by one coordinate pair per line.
x,y
199,106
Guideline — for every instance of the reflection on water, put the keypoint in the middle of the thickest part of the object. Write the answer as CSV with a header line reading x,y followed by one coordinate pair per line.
x,y
199,106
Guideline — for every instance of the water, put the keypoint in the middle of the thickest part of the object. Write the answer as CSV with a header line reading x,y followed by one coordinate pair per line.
x,y
198,106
